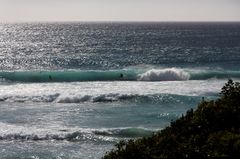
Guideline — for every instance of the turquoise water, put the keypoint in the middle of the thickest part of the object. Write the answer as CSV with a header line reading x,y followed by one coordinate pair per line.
x,y
73,90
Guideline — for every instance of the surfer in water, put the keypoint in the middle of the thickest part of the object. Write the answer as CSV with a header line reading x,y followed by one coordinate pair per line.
x,y
121,76
50,77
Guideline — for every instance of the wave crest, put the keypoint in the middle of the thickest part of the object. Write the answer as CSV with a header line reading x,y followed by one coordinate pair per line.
x,y
171,74
167,74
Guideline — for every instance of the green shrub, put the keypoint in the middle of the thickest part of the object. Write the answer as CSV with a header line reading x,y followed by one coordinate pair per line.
x,y
212,130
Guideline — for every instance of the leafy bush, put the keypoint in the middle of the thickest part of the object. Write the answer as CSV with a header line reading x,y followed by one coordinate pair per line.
x,y
212,130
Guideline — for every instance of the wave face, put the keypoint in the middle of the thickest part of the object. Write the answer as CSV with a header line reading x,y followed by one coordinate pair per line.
x,y
68,76
204,75
167,74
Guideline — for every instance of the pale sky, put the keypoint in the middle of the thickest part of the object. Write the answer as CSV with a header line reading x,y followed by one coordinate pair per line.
x,y
119,10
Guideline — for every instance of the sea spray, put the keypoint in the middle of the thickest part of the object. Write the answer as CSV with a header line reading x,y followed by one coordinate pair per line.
x,y
170,74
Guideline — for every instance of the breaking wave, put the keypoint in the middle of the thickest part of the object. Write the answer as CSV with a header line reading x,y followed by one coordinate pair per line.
x,y
147,98
94,135
167,74
172,74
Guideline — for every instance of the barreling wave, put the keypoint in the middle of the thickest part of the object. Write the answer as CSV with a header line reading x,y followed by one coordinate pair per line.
x,y
94,135
168,74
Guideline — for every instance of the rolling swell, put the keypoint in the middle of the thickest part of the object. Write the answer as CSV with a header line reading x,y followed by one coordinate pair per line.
x,y
168,74
171,74
77,136
68,76
215,74
111,97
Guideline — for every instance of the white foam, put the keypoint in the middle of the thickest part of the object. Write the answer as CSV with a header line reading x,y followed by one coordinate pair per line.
x,y
77,92
95,98
59,132
170,74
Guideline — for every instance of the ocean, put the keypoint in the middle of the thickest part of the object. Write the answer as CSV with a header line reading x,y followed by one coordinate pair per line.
x,y
73,90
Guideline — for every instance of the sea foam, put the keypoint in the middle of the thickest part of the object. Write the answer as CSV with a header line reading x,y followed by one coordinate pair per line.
x,y
170,74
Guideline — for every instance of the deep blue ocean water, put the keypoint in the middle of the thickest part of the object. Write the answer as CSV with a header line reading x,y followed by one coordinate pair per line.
x,y
73,90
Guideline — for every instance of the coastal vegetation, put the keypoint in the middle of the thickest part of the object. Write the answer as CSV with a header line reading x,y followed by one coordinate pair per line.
x,y
212,130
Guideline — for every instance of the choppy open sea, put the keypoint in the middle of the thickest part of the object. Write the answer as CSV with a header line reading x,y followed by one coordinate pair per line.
x,y
73,90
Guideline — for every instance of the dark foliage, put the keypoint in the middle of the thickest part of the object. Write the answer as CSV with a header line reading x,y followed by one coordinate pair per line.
x,y
212,130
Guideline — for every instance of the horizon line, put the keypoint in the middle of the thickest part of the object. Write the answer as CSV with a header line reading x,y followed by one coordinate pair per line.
x,y
124,21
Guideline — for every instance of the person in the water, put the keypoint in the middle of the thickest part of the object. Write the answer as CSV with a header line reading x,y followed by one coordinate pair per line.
x,y
50,77
121,76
